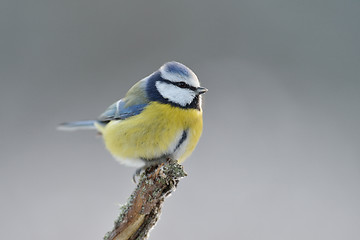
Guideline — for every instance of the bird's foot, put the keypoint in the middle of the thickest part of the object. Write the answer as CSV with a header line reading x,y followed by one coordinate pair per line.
x,y
137,174
148,164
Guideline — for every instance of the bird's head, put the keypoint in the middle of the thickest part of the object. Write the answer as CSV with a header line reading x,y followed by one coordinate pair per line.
x,y
176,84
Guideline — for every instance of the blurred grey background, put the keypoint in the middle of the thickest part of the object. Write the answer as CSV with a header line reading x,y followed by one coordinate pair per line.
x,y
279,156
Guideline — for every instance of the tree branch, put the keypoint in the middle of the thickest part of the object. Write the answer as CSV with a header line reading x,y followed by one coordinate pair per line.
x,y
140,214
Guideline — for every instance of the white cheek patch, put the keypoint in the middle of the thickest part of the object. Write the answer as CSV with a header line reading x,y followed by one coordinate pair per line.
x,y
181,96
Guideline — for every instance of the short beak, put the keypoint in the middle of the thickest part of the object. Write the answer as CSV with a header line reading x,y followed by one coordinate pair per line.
x,y
201,90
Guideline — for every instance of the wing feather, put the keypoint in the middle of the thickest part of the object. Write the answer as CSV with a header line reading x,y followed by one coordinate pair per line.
x,y
134,102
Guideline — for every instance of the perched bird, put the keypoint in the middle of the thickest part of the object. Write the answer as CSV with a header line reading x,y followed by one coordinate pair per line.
x,y
160,117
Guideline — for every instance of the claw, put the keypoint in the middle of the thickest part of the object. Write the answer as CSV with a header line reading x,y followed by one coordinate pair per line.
x,y
136,174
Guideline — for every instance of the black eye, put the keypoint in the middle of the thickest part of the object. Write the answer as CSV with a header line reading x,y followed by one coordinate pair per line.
x,y
181,84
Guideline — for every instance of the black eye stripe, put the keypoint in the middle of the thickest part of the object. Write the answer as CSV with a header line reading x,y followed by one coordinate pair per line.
x,y
184,85
181,85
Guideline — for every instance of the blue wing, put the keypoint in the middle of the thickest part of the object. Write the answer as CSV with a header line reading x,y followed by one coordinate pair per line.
x,y
116,111
119,111
134,102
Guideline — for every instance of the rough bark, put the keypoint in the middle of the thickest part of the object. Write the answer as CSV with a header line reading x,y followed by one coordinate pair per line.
x,y
140,214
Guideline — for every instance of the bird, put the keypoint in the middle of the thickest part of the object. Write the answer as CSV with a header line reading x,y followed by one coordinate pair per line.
x,y
159,118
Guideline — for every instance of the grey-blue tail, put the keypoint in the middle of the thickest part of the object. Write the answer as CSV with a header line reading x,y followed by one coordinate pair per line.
x,y
79,125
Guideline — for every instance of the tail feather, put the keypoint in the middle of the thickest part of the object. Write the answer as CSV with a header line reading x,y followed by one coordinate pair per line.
x,y
79,125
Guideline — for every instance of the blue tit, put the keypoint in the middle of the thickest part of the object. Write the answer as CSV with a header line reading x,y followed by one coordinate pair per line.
x,y
160,117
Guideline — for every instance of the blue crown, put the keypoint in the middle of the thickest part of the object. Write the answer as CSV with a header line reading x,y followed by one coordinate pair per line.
x,y
177,69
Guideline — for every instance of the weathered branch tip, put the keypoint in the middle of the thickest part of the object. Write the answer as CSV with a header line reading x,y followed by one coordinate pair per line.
x,y
140,214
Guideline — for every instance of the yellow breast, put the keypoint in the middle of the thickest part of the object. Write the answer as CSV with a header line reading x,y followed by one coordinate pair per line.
x,y
151,134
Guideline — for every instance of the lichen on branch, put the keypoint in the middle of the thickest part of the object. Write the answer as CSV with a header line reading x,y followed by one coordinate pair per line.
x,y
140,214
